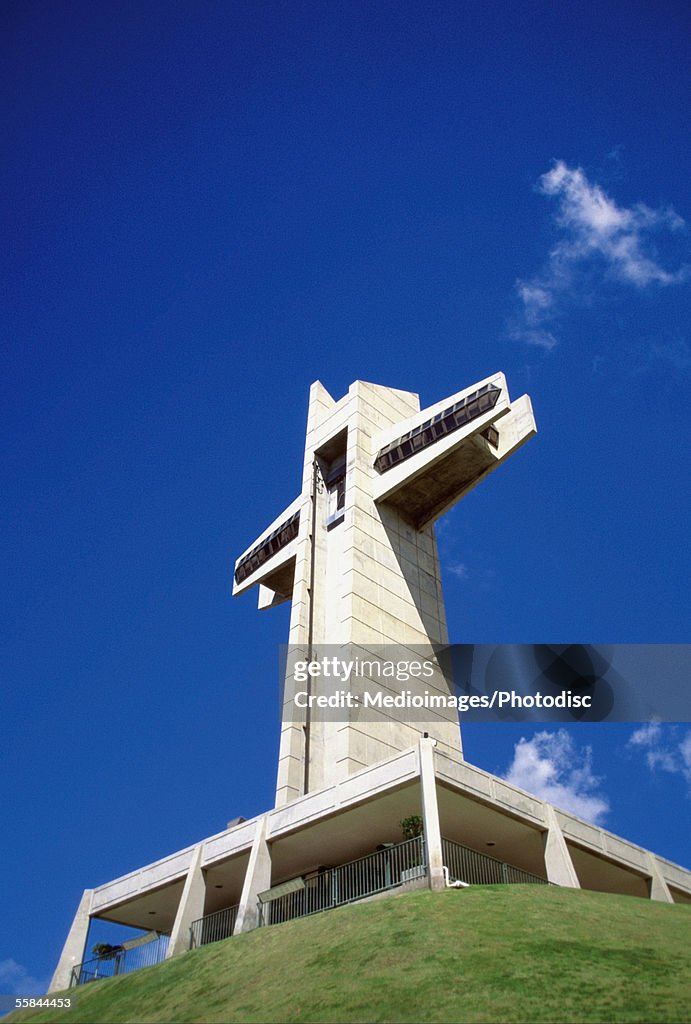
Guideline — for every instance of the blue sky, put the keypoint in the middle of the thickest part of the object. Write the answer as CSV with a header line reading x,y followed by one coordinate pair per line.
x,y
208,206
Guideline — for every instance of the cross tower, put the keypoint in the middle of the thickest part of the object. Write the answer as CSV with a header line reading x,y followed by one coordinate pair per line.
x,y
356,551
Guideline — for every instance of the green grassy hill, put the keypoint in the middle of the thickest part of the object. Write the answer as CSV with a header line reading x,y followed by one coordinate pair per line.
x,y
494,953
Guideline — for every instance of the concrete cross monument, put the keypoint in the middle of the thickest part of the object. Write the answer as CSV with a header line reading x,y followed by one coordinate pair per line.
x,y
356,552
356,555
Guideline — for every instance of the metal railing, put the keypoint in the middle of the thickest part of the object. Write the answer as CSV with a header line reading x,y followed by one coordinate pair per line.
x,y
466,865
332,887
388,868
121,961
213,927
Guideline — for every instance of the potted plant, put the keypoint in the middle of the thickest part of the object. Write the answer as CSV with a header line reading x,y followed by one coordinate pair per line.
x,y
104,951
413,857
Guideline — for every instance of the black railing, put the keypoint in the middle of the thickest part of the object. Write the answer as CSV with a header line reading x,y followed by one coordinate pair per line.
x,y
445,422
388,868
332,887
267,547
120,961
466,865
213,927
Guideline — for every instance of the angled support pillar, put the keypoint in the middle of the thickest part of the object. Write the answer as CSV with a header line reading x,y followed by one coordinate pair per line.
x,y
75,944
558,863
191,906
657,887
257,879
430,815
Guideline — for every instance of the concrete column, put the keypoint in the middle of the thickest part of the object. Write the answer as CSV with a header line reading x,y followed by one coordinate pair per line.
x,y
191,906
75,944
257,879
560,869
657,886
430,815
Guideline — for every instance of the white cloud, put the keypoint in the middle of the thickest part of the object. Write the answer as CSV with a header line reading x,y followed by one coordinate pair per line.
x,y
646,736
595,234
662,749
550,766
685,752
15,980
459,570
674,351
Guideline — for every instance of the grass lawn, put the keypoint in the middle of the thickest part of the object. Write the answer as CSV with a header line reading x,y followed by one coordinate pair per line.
x,y
490,953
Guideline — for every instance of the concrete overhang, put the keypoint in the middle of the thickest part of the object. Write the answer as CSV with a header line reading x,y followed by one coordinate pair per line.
x,y
346,834
147,898
277,571
428,483
154,909
359,788
353,817
475,824
491,810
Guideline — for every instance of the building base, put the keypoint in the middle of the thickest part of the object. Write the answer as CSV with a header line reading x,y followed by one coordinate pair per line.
x,y
352,819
